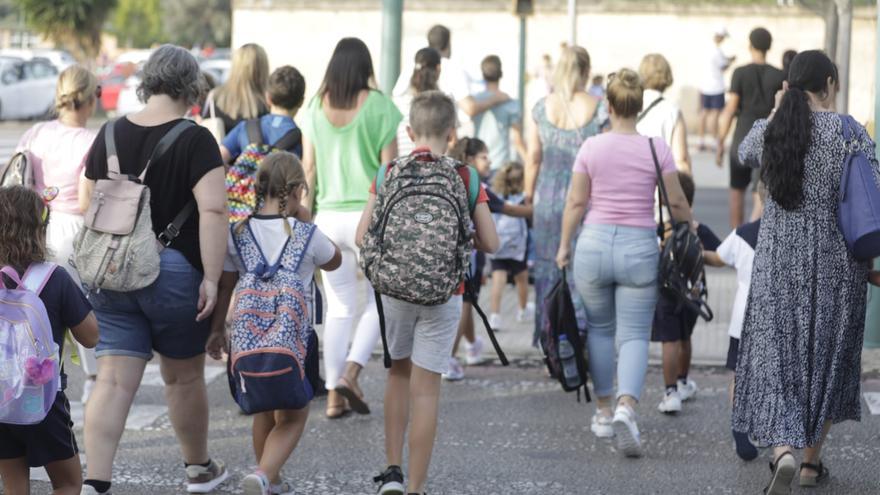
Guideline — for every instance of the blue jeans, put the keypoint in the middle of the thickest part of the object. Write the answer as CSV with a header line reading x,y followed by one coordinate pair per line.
x,y
615,272
160,317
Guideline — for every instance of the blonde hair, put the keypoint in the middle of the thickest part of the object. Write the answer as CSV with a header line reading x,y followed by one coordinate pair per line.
x,y
243,94
76,88
655,72
625,93
572,71
504,184
279,174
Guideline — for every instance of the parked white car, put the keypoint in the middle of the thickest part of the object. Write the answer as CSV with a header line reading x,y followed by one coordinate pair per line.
x,y
59,58
218,68
27,88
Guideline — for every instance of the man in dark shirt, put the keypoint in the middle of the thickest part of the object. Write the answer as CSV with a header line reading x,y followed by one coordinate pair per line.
x,y
752,96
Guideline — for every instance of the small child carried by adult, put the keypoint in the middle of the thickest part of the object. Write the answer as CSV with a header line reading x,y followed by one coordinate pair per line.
x,y
23,255
273,348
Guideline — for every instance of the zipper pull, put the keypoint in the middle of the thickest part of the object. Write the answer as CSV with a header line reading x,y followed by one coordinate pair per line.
x,y
243,387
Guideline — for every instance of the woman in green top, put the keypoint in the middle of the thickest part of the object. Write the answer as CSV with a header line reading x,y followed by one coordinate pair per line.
x,y
349,130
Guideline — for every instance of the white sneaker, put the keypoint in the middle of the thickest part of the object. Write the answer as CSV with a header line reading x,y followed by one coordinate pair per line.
x,y
90,490
671,403
455,371
601,425
255,484
495,321
526,313
627,431
687,389
474,352
282,488
200,479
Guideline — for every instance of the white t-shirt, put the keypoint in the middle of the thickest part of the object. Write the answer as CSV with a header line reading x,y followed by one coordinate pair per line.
x,y
660,120
713,80
738,251
271,237
404,143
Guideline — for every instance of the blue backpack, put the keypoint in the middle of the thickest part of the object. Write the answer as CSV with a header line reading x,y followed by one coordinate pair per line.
x,y
858,213
272,334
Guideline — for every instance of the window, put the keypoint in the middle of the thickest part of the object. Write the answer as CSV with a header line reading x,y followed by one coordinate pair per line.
x,y
39,69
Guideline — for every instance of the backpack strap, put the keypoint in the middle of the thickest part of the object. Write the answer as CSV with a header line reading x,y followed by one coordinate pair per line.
x,y
163,145
295,251
380,176
289,140
37,276
386,355
254,131
469,285
650,107
110,145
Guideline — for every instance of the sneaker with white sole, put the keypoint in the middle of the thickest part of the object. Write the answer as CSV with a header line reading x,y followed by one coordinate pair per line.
x,y
687,389
627,431
495,321
474,352
601,425
90,490
282,488
256,484
526,314
201,479
390,481
455,371
671,403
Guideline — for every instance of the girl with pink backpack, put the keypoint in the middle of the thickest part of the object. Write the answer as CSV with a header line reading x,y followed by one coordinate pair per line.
x,y
38,303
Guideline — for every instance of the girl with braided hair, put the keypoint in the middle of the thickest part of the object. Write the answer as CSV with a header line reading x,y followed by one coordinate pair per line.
x,y
280,186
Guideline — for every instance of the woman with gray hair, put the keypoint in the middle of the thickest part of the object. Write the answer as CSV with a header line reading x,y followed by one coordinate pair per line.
x,y
170,316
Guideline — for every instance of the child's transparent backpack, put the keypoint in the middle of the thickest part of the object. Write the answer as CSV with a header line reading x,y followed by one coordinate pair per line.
x,y
29,360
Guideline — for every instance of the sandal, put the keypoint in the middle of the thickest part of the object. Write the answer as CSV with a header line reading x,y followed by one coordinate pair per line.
x,y
353,395
811,481
783,472
336,412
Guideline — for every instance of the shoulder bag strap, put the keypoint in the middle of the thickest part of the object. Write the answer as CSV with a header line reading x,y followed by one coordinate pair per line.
x,y
650,107
254,131
662,187
380,177
110,145
210,103
473,188
289,141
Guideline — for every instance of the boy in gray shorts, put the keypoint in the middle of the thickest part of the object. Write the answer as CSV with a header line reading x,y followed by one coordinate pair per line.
x,y
420,338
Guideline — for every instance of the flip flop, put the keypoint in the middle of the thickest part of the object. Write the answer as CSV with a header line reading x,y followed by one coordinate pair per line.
x,y
345,389
783,472
812,481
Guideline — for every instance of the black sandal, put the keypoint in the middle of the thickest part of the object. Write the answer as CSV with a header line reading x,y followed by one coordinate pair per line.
x,y
812,481
780,483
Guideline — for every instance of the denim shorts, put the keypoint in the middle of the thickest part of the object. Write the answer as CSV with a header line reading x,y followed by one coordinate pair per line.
x,y
160,317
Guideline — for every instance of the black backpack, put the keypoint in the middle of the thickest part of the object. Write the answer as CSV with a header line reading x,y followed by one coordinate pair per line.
x,y
682,275
563,323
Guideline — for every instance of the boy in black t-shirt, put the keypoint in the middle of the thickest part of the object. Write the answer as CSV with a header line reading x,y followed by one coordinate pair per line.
x,y
50,443
752,96
673,327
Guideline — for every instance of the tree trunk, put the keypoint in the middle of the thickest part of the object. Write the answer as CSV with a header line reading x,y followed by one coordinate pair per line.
x,y
831,28
844,41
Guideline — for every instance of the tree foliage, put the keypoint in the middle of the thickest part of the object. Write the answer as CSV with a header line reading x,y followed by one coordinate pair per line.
x,y
74,24
138,23
198,22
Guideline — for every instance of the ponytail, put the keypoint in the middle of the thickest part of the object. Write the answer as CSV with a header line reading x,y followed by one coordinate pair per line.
x,y
786,142
426,71
467,147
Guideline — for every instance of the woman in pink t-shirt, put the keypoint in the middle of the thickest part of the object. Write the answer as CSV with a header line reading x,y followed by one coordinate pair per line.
x,y
58,150
617,254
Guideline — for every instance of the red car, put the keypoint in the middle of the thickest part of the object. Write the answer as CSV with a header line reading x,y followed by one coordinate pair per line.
x,y
113,83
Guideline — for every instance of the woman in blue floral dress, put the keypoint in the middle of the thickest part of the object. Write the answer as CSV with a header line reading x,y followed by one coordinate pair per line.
x,y
563,120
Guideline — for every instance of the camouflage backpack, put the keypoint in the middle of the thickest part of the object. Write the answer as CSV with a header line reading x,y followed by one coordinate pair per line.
x,y
418,246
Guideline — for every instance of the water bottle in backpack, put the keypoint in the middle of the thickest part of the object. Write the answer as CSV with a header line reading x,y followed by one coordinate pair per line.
x,y
569,364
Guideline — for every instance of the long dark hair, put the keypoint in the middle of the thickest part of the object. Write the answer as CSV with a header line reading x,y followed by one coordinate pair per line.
x,y
426,71
789,134
349,72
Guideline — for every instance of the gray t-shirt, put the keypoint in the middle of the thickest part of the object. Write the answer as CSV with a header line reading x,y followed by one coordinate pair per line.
x,y
493,127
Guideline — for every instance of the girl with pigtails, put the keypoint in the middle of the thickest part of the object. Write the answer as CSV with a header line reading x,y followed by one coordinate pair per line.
x,y
277,220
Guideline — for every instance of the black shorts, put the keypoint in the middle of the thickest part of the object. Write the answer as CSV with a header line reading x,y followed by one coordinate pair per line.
x,y
733,354
476,279
740,175
671,325
50,441
712,102
512,267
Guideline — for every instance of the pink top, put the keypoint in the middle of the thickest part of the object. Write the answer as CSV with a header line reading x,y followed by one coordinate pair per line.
x,y
622,178
59,152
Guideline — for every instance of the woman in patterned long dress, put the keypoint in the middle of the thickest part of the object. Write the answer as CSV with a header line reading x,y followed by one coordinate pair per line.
x,y
800,354
563,120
